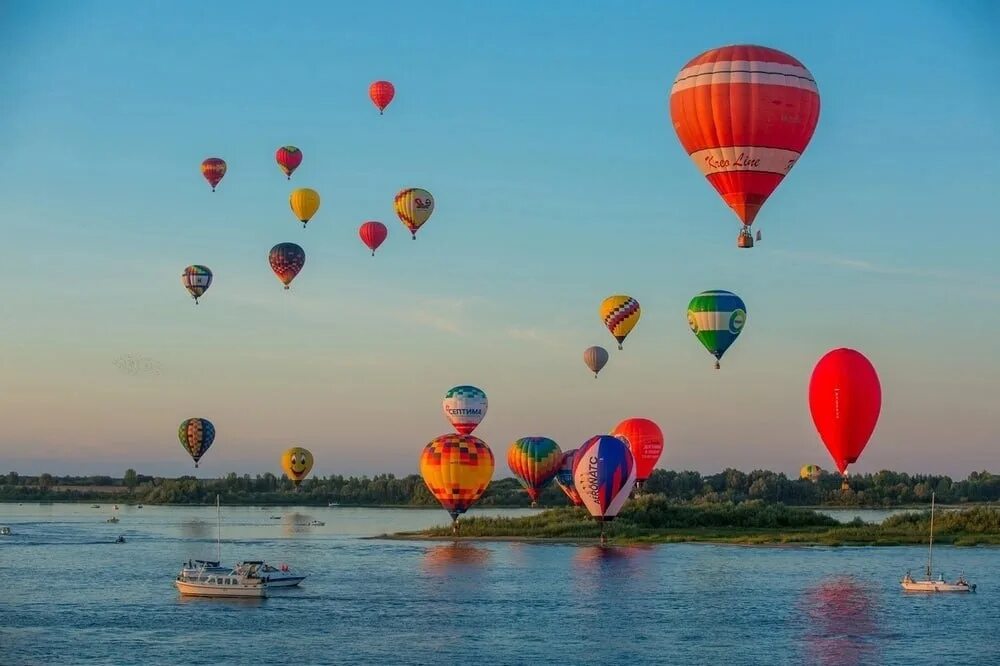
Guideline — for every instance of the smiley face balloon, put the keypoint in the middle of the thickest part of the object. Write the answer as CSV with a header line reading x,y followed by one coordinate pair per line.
x,y
297,463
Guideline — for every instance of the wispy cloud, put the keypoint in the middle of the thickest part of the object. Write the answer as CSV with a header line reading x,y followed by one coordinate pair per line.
x,y
441,314
864,266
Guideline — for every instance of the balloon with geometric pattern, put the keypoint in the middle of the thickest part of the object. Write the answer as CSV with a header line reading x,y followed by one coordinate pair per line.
x,y
286,260
534,461
413,206
620,314
196,436
196,279
457,470
564,478
604,475
213,169
297,462
717,318
465,407
288,158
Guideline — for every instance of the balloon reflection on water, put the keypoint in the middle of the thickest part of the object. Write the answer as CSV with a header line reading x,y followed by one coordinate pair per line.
x,y
454,558
841,623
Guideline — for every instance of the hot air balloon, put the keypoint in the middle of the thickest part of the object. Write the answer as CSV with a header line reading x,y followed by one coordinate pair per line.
x,y
414,206
717,318
744,114
595,358
297,463
213,169
288,158
196,437
196,279
604,474
372,234
645,440
620,314
810,472
534,461
457,469
564,478
845,399
286,259
465,408
304,203
381,93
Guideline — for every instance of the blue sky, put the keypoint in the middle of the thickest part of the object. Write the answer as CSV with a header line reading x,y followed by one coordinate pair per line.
x,y
543,131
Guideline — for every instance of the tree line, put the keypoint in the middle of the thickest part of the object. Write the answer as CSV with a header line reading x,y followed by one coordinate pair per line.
x,y
884,488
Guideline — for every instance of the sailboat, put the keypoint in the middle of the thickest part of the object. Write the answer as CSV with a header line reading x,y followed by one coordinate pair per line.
x,y
929,584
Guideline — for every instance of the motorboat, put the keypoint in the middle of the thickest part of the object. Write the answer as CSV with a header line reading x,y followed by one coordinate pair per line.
x,y
113,519
242,582
120,539
5,531
116,507
317,523
928,584
139,507
333,504
279,576
95,506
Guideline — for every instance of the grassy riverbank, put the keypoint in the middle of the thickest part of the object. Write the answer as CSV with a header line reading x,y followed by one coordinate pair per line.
x,y
654,519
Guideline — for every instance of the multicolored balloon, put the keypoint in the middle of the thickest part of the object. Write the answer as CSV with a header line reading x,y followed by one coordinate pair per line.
x,y
304,203
381,93
645,440
604,474
414,206
373,234
620,314
213,169
845,398
288,158
534,461
465,408
297,462
196,279
744,114
595,358
810,472
564,478
196,436
717,318
457,469
286,260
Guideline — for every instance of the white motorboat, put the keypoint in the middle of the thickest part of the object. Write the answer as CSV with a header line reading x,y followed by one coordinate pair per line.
x,y
243,582
928,584
280,576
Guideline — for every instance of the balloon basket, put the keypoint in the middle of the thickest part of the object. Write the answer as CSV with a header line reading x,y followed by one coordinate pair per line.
x,y
718,366
744,240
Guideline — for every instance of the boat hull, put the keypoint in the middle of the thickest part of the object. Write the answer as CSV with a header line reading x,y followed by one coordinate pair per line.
x,y
193,589
934,586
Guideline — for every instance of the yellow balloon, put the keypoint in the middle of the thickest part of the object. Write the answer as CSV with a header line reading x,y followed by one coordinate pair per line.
x,y
297,463
620,314
811,472
457,469
414,206
304,203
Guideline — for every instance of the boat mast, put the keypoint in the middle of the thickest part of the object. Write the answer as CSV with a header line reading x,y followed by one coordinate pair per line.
x,y
218,541
930,544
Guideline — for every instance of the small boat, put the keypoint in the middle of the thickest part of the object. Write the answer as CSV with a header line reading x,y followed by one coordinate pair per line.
x,y
317,523
116,507
5,531
280,576
120,539
139,507
927,584
333,504
113,519
95,506
275,517
242,582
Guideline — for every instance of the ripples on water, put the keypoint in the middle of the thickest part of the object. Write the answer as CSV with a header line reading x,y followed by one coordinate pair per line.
x,y
72,596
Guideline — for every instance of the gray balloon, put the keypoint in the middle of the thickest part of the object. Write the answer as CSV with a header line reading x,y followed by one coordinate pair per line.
x,y
595,358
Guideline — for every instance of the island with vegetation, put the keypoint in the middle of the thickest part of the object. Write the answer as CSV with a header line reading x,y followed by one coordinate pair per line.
x,y
878,490
657,519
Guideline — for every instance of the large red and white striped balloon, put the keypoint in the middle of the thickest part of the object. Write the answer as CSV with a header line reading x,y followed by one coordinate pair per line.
x,y
744,114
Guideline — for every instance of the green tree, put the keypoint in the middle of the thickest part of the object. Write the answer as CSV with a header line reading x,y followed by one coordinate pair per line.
x,y
131,479
45,481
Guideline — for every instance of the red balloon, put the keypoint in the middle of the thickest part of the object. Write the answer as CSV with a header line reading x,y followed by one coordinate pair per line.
x,y
381,93
213,169
645,441
845,399
286,260
289,158
372,234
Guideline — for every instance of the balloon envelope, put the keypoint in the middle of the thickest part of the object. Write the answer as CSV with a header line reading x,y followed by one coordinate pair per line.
x,y
373,234
381,93
845,399
213,169
288,158
414,207
457,469
595,358
465,408
603,473
196,279
620,314
534,461
645,441
286,260
297,462
744,114
717,317
564,478
304,203
196,436
810,472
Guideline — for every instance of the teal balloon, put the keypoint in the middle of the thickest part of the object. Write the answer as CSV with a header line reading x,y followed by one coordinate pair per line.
x,y
717,318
